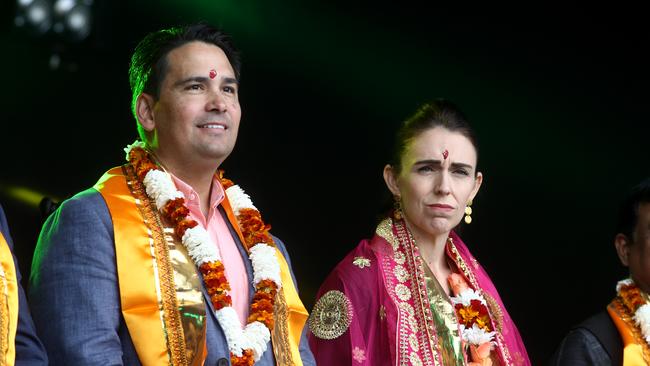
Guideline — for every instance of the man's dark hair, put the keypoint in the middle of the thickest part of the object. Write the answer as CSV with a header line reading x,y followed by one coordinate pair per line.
x,y
149,61
628,213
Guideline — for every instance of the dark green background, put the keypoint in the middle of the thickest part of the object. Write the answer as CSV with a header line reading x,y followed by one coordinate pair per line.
x,y
557,96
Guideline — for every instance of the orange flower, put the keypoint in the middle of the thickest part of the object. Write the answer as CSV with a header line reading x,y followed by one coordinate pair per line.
x,y
246,359
183,225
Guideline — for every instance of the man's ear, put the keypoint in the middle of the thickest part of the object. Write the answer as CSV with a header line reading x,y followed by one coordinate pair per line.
x,y
622,244
144,111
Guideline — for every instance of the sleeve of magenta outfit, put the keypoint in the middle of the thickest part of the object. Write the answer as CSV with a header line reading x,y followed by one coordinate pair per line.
x,y
73,285
29,349
353,292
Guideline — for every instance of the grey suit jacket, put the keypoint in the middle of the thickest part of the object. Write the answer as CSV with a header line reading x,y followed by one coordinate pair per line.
x,y
75,293
29,349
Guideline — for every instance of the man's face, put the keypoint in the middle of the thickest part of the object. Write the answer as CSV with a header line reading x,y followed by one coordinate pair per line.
x,y
196,117
638,251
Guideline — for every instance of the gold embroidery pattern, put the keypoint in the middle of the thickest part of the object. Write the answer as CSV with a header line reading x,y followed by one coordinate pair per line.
x,y
4,318
400,273
331,316
171,317
413,318
403,292
361,262
495,310
382,313
385,230
281,346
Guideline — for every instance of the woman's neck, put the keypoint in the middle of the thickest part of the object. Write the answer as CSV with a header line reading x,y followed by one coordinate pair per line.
x,y
432,249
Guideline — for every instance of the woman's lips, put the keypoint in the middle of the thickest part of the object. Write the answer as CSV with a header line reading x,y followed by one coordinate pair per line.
x,y
441,206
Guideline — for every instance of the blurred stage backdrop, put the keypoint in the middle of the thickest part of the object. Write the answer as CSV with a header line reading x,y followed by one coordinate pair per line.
x,y
557,97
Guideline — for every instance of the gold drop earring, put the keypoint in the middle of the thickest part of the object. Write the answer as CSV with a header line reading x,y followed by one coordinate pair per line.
x,y
397,207
468,212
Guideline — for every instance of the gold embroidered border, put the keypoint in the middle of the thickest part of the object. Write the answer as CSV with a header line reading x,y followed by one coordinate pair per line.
x,y
281,346
426,339
171,317
4,318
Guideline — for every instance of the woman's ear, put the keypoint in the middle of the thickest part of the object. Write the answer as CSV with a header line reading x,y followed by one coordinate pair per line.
x,y
390,177
477,185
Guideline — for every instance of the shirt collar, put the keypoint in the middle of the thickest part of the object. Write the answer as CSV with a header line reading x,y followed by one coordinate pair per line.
x,y
217,192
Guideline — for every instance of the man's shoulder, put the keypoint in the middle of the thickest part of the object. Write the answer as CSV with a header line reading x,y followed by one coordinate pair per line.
x,y
595,341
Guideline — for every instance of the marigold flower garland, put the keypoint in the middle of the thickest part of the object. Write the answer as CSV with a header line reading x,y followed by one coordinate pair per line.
x,y
474,319
246,345
631,297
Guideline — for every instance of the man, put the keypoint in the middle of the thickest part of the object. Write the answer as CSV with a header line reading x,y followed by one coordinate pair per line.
x,y
19,344
621,334
130,272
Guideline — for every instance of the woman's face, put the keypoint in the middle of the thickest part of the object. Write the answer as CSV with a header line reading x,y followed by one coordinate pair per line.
x,y
437,180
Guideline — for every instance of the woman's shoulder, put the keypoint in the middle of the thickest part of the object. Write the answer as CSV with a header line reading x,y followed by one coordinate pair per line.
x,y
356,271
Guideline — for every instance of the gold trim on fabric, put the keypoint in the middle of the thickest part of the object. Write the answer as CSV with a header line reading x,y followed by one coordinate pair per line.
x,y
331,316
417,318
191,308
4,317
281,346
171,317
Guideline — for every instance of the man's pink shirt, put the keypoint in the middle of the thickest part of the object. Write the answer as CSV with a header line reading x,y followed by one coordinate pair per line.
x,y
220,235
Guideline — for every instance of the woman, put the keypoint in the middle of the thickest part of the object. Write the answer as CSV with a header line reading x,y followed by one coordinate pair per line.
x,y
413,294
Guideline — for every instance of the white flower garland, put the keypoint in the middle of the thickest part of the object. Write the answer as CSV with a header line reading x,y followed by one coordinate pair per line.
x,y
160,187
642,313
474,335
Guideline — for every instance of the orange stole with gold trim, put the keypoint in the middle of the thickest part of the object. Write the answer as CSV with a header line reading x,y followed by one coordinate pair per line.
x,y
166,327
635,348
149,308
8,305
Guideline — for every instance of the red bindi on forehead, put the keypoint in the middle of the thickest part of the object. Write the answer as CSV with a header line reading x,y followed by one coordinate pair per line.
x,y
213,74
445,154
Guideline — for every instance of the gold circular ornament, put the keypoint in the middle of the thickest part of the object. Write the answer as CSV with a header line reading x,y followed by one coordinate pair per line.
x,y
400,273
399,257
402,292
468,210
331,315
468,219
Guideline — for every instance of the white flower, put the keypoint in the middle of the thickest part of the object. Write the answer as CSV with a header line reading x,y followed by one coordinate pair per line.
x,y
625,282
231,327
642,318
160,188
239,199
195,240
136,143
257,337
466,297
475,335
265,264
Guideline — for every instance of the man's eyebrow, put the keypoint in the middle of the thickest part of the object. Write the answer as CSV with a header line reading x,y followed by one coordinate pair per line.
x,y
196,79
203,79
